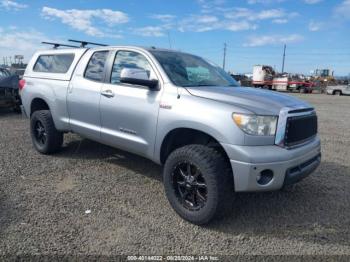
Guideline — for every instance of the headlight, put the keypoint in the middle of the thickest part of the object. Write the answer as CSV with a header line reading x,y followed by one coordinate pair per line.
x,y
256,125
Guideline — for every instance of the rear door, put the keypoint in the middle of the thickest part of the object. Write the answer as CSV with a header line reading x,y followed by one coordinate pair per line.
x,y
83,97
129,113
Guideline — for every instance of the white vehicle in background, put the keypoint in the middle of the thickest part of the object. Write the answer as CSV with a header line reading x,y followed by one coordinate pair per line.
x,y
264,76
280,83
338,90
291,83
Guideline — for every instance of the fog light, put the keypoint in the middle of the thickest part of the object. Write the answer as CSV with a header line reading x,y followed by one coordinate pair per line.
x,y
264,177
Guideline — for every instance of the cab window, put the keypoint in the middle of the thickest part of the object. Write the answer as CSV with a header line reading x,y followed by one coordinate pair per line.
x,y
96,66
129,59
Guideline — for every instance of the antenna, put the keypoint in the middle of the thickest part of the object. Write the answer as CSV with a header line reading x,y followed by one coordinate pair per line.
x,y
56,45
85,43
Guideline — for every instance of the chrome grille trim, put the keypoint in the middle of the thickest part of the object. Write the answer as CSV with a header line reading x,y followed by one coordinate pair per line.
x,y
282,122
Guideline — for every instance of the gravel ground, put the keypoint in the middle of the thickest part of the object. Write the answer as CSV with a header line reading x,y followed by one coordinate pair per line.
x,y
44,199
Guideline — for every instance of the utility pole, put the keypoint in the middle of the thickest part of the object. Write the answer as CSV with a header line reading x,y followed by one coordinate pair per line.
x,y
224,61
284,58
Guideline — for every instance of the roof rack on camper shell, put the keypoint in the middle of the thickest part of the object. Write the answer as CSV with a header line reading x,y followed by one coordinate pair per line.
x,y
57,45
83,44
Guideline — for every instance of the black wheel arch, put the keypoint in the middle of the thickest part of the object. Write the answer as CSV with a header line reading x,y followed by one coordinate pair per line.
x,y
180,137
337,90
38,104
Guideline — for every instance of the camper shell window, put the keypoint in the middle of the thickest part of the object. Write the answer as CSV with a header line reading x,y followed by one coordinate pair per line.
x,y
57,63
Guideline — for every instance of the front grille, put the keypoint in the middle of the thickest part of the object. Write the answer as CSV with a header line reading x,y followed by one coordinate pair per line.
x,y
299,129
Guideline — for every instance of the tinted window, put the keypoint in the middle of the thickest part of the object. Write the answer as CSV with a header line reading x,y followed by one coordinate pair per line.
x,y
189,70
128,59
96,66
59,63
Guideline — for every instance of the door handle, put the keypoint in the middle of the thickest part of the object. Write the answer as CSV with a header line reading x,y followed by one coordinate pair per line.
x,y
107,93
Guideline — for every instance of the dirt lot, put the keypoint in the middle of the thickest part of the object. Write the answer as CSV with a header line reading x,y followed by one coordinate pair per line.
x,y
43,200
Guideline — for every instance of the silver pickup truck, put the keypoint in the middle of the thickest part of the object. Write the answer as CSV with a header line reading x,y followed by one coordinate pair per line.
x,y
179,110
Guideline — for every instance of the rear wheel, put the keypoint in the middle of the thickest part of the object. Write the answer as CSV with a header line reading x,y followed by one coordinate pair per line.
x,y
46,138
198,183
337,93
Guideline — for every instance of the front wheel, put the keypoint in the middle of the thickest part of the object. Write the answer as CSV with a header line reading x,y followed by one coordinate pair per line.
x,y
46,138
198,183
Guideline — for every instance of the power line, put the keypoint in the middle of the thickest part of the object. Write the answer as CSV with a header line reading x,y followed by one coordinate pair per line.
x,y
271,51
267,55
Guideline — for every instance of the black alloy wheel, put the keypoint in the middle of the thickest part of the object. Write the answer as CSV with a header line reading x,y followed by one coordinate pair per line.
x,y
40,133
198,183
46,138
190,186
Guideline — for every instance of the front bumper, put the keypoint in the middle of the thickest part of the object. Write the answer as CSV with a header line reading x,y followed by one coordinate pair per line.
x,y
288,166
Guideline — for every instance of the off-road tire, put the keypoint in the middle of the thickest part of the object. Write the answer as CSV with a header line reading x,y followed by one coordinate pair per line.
x,y
217,173
54,138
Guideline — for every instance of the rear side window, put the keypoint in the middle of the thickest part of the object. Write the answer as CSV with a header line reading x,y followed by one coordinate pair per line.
x,y
95,68
58,64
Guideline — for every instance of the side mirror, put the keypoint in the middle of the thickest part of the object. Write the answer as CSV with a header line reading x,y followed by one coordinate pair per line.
x,y
137,76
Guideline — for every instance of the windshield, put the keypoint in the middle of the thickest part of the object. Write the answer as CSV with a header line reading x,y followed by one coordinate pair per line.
x,y
189,70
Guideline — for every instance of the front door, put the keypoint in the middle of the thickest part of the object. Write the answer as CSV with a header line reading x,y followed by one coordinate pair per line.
x,y
129,113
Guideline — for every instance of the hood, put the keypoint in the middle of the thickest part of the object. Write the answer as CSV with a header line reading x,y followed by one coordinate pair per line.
x,y
258,101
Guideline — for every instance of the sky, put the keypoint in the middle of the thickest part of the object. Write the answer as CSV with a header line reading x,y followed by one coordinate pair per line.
x,y
316,32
